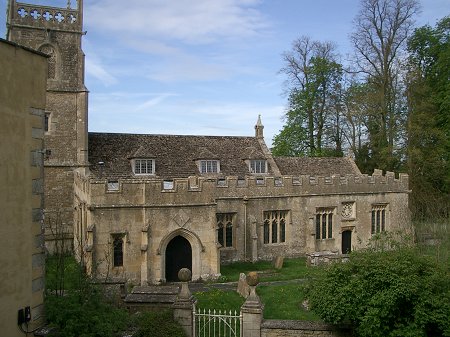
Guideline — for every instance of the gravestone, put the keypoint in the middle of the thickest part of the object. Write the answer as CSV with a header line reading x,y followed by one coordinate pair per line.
x,y
243,289
277,262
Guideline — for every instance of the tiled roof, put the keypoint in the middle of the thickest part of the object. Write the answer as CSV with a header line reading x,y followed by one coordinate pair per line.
x,y
174,156
324,166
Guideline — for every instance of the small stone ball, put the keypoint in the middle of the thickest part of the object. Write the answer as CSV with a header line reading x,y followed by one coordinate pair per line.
x,y
252,278
184,275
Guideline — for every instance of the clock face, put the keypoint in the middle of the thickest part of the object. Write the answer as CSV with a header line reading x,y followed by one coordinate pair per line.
x,y
347,210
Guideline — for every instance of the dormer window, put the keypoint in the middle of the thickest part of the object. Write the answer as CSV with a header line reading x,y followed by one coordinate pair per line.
x,y
209,166
143,166
258,166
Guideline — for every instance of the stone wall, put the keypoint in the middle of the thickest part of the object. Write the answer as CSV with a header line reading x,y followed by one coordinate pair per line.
x,y
57,32
22,97
287,328
149,216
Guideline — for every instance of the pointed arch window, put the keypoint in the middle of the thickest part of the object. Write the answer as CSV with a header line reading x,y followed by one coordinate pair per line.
x,y
118,251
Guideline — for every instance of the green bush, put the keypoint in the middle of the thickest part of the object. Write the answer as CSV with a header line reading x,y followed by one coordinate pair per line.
x,y
157,324
74,305
385,293
81,314
63,272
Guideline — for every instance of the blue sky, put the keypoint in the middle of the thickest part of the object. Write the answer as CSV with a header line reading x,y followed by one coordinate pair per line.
x,y
205,67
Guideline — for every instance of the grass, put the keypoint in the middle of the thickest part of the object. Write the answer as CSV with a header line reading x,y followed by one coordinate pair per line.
x,y
281,301
219,300
292,269
284,302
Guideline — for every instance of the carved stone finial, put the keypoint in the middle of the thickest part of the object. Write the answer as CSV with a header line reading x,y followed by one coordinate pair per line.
x,y
252,278
259,128
184,274
252,303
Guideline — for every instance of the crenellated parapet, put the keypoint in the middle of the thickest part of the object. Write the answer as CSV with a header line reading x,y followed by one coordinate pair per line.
x,y
68,19
198,190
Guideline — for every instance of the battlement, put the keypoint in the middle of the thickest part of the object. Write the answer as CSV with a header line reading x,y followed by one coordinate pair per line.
x,y
47,17
201,189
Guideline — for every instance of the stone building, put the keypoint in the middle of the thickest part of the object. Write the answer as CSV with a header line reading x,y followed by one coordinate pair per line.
x,y
21,194
152,204
144,206
57,32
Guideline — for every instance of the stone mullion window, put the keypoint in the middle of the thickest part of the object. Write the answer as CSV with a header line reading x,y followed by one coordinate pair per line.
x,y
330,225
266,231
378,219
283,230
274,227
225,229
324,223
274,231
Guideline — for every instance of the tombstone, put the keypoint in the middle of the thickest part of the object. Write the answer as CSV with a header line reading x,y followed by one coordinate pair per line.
x,y
277,262
242,288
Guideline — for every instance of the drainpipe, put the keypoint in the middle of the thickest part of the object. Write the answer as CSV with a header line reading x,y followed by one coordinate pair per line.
x,y
245,199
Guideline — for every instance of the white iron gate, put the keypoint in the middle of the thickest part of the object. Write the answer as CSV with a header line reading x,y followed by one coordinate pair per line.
x,y
217,324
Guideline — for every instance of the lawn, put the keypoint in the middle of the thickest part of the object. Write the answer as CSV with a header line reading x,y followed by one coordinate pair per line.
x,y
281,301
292,269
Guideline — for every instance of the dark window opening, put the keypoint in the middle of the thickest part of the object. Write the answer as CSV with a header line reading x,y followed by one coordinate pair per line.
x,y
118,251
225,229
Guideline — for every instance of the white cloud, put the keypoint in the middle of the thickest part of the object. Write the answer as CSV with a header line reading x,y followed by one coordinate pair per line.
x,y
192,22
153,101
96,70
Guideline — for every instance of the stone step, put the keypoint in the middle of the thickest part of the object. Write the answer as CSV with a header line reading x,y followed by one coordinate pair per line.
x,y
151,297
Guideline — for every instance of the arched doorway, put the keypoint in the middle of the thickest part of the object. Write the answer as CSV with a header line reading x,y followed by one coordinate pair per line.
x,y
178,255
346,242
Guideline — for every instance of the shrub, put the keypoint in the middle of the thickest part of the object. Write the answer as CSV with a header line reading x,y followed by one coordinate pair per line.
x,y
84,315
385,293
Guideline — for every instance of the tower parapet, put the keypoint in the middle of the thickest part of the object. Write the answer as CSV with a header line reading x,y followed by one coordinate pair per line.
x,y
46,17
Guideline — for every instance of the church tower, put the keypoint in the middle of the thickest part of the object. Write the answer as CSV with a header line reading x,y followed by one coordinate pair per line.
x,y
57,32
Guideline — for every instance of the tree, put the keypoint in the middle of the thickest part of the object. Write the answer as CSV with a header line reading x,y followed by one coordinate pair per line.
x,y
355,122
381,31
385,293
428,120
314,78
